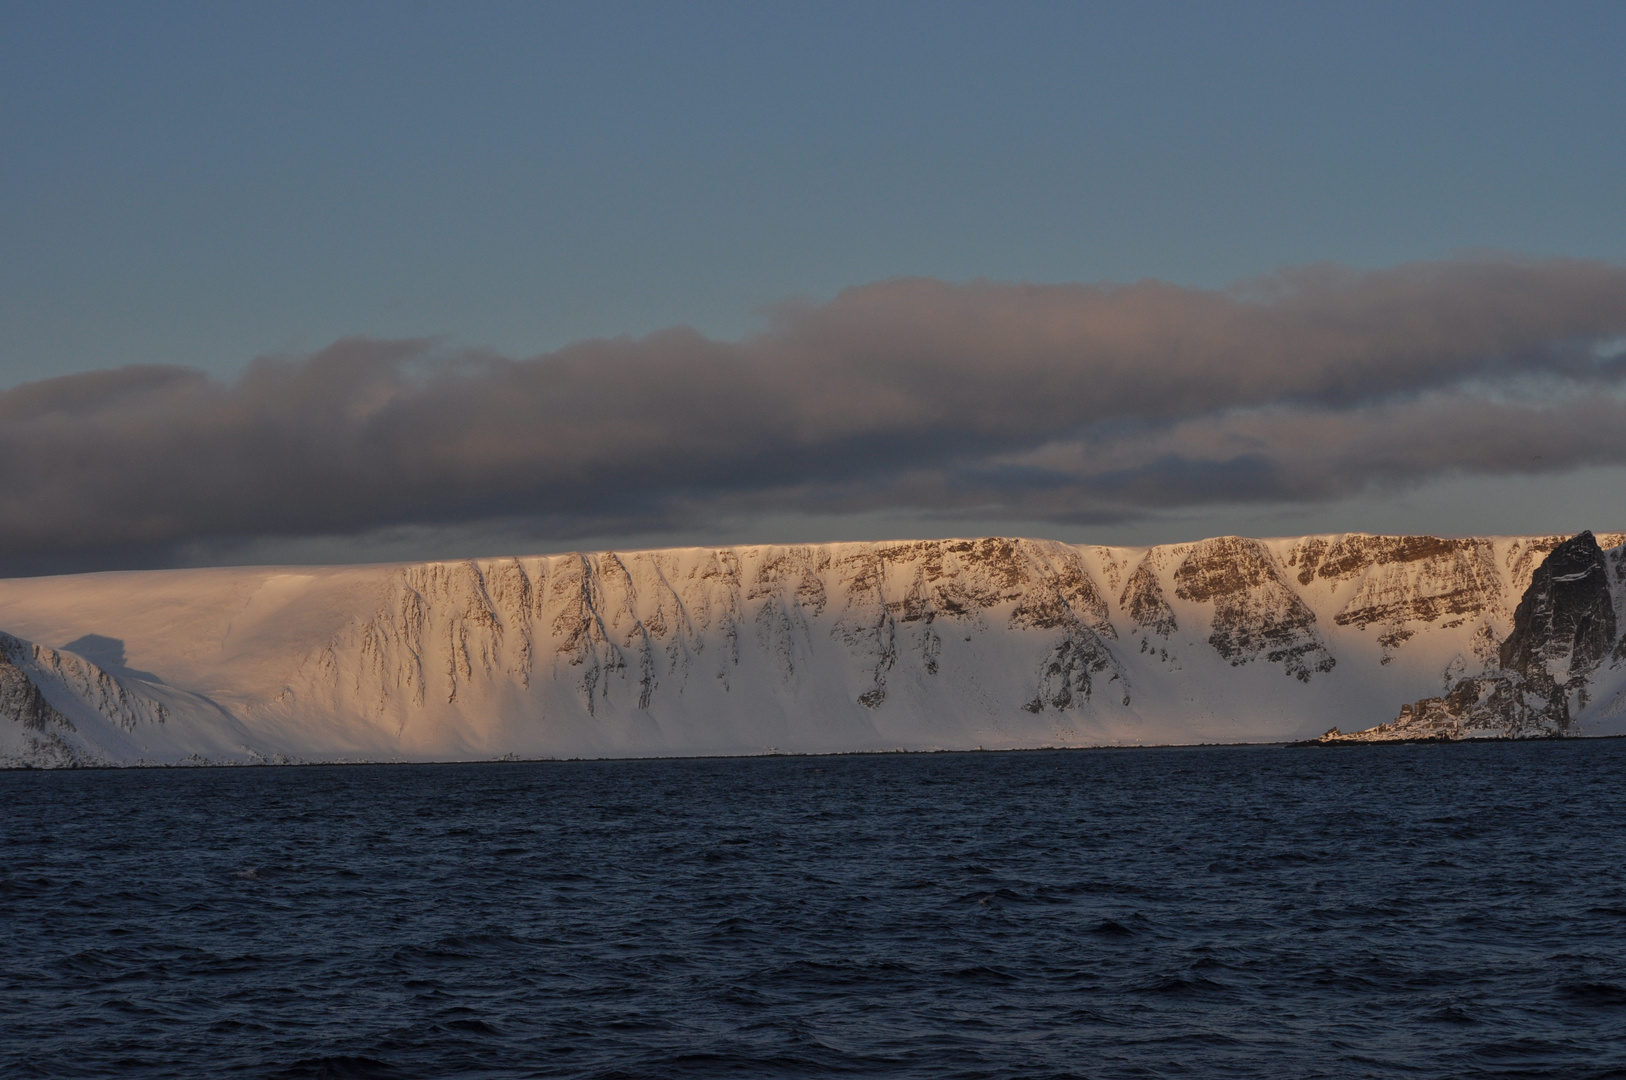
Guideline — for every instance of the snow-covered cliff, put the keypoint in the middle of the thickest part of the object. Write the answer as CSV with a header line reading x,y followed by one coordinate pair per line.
x,y
838,647
1563,650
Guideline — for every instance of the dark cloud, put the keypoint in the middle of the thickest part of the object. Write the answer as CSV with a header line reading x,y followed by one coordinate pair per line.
x,y
1313,454
1066,402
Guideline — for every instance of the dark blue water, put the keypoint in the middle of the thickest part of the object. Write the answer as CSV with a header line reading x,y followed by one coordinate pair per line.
x,y
1450,911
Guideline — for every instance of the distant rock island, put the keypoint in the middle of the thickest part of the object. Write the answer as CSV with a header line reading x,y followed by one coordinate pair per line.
x,y
910,645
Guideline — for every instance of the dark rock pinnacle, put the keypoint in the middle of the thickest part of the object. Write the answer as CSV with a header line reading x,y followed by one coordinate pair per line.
x,y
1563,628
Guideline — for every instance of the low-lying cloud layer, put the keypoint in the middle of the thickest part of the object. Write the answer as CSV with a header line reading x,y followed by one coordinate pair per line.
x,y
1057,402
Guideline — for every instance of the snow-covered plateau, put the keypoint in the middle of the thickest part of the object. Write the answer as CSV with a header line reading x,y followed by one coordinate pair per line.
x,y
915,645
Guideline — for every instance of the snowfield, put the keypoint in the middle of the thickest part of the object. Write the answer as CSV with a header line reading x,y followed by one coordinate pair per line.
x,y
912,645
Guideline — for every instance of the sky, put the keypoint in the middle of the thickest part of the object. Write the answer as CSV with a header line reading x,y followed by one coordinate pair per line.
x,y
342,282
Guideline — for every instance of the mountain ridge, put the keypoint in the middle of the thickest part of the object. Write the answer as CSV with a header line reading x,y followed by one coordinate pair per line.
x,y
937,644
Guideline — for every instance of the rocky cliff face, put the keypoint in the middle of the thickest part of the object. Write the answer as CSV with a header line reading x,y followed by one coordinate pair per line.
x,y
649,626
20,699
1256,613
1564,629
913,645
33,730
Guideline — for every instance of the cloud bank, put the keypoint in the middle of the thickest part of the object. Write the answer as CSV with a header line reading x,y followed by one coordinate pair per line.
x,y
1054,402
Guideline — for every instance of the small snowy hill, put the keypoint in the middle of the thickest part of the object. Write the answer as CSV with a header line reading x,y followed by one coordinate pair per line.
x,y
837,647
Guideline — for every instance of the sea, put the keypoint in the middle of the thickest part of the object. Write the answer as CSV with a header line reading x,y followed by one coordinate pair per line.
x,y
1434,910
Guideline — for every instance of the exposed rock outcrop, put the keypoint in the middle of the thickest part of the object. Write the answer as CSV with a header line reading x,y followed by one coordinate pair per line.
x,y
1257,615
1143,601
1563,628
20,699
33,731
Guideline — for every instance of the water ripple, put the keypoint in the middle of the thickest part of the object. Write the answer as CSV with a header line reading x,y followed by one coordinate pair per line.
x,y
1418,911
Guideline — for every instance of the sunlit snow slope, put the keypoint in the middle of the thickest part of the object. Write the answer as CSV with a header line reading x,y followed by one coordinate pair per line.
x,y
837,647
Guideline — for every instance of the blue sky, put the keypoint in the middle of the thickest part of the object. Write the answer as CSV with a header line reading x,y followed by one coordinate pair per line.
x,y
204,184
